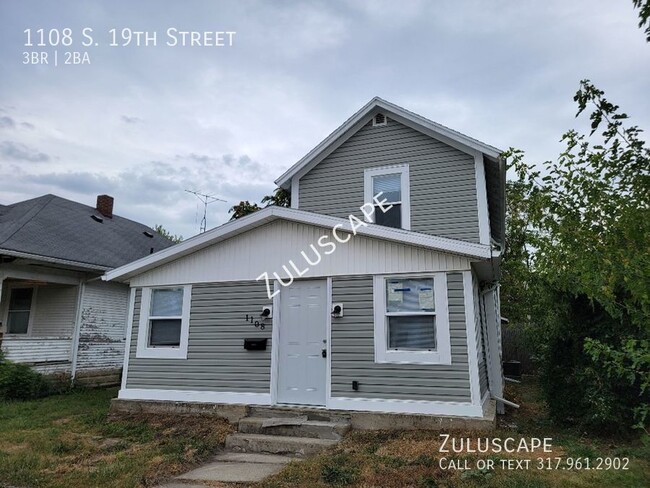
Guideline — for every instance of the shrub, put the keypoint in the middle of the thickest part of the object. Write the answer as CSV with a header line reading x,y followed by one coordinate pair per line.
x,y
20,382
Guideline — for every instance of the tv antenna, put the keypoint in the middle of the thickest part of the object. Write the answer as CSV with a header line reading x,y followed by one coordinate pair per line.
x,y
206,200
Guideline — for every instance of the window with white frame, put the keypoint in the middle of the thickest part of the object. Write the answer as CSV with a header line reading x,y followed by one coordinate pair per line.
x,y
412,319
164,322
387,189
19,313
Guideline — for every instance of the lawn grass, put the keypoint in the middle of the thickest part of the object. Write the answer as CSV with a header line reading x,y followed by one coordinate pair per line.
x,y
411,459
67,441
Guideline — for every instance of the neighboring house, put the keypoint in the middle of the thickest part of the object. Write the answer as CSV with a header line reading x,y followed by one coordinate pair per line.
x,y
56,313
403,317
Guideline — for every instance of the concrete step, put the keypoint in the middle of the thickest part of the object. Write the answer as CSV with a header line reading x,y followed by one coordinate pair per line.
x,y
294,427
291,446
318,414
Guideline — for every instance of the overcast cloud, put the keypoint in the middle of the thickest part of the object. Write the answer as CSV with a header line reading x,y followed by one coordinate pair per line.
x,y
144,124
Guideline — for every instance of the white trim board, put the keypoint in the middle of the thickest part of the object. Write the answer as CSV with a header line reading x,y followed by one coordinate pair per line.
x,y
128,338
269,214
452,409
195,396
143,350
470,331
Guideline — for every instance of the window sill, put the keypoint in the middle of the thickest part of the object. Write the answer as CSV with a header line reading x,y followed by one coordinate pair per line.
x,y
412,357
161,353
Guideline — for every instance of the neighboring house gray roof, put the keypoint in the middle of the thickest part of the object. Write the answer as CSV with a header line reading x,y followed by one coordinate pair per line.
x,y
57,229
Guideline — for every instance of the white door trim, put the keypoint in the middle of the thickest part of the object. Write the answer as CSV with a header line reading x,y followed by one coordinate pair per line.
x,y
275,341
328,326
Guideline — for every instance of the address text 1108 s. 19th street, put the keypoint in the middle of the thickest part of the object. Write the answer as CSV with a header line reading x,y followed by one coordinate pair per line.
x,y
68,46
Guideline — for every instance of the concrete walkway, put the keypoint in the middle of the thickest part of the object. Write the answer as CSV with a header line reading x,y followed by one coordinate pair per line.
x,y
233,467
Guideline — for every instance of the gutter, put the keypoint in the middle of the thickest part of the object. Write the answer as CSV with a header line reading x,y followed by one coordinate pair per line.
x,y
49,259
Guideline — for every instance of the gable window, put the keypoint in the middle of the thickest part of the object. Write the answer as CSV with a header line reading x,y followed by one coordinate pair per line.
x,y
164,322
19,313
389,185
411,319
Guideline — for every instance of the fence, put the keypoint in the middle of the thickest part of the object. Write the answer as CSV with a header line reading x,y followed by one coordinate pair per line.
x,y
514,347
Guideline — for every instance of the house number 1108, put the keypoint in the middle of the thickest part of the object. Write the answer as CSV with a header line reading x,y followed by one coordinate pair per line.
x,y
256,323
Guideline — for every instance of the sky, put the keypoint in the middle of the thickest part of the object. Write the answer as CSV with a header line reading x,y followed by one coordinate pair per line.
x,y
145,123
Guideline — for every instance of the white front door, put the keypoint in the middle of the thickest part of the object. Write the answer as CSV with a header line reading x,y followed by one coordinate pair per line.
x,y
302,367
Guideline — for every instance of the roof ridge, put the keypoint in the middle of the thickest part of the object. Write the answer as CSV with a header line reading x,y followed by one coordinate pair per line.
x,y
30,214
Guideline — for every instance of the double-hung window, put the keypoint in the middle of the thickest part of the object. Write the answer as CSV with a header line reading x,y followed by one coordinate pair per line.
x,y
164,322
19,313
387,189
412,319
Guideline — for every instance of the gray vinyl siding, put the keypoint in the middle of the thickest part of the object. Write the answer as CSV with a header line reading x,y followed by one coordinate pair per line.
x,y
442,178
216,359
353,351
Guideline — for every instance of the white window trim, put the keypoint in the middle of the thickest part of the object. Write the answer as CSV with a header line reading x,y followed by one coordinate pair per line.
x,y
442,354
403,170
143,349
32,310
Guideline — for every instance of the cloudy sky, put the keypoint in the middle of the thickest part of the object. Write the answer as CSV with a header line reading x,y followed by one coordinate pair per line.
x,y
144,123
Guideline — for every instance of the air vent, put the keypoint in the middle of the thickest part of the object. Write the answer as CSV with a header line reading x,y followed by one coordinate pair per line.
x,y
97,219
379,119
148,234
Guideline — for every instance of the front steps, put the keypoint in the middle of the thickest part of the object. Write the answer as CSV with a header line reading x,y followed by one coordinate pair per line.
x,y
295,432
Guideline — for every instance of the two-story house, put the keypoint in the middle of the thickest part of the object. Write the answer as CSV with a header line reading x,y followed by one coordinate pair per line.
x,y
376,291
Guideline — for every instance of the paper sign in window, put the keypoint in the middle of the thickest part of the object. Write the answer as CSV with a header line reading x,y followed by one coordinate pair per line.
x,y
395,291
426,299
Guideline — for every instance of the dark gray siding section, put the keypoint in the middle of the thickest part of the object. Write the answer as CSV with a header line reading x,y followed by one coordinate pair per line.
x,y
443,184
216,359
353,351
496,199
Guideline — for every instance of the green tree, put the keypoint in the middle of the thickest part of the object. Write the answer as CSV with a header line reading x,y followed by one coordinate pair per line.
x,y
279,198
165,233
644,15
587,221
242,209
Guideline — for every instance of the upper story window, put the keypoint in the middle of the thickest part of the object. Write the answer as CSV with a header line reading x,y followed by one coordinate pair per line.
x,y
164,322
389,185
19,314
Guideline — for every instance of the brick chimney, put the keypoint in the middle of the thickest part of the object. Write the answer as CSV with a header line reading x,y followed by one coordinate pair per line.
x,y
105,205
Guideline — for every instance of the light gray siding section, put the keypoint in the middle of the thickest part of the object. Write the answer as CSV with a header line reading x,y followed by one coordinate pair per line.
x,y
353,350
216,359
103,326
443,184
